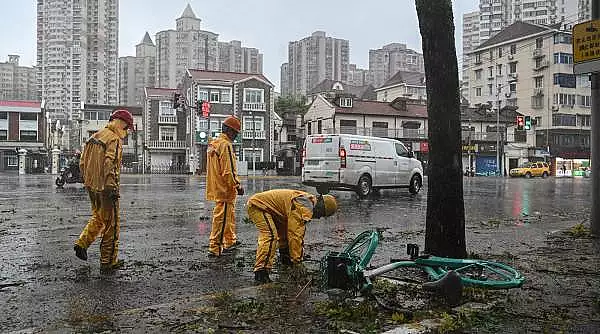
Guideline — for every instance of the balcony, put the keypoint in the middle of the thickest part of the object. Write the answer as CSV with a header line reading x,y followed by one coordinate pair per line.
x,y
258,134
166,145
380,132
253,106
167,119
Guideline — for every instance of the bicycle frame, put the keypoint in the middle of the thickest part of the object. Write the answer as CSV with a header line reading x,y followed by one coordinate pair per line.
x,y
355,275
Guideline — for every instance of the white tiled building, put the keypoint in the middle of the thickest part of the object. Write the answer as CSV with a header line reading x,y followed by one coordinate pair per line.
x,y
531,67
137,72
77,47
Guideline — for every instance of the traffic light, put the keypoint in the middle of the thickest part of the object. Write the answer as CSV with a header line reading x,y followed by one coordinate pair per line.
x,y
527,122
176,98
520,122
205,108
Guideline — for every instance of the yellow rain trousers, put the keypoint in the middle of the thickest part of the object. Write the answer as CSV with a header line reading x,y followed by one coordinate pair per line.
x,y
280,216
100,165
105,220
222,182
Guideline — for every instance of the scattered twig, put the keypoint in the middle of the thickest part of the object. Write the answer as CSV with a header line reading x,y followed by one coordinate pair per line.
x,y
303,288
6,285
13,210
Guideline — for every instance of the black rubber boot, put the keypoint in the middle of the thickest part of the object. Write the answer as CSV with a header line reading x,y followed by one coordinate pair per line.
x,y
80,252
284,256
262,276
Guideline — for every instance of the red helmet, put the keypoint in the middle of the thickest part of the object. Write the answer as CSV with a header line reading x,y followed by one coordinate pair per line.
x,y
123,115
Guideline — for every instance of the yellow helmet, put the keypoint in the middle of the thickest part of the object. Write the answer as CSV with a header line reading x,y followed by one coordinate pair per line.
x,y
330,205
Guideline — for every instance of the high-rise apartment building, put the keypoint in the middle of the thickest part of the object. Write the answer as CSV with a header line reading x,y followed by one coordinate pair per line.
x,y
391,58
17,82
136,73
470,40
77,50
314,59
188,46
357,76
233,57
585,10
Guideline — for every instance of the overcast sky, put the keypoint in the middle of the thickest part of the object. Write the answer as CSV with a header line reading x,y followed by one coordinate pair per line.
x,y
264,24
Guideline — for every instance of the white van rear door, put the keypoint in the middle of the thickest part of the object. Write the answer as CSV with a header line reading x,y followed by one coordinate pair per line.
x,y
322,161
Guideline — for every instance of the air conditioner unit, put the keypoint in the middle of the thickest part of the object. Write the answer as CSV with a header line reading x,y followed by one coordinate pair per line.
x,y
554,107
511,57
513,75
537,52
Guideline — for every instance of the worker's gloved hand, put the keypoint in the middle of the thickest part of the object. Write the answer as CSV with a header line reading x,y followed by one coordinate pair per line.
x,y
284,256
240,190
112,193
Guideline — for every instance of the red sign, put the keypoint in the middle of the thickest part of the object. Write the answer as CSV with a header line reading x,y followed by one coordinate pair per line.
x,y
424,147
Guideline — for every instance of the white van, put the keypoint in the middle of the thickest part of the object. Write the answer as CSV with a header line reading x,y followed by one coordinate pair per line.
x,y
359,163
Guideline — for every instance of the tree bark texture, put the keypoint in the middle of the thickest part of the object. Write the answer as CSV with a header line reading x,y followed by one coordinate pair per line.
x,y
445,225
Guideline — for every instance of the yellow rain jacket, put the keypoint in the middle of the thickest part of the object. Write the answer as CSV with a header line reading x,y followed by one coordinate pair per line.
x,y
100,162
222,179
290,210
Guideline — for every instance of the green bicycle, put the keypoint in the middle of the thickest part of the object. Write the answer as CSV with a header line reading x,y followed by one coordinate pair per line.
x,y
348,269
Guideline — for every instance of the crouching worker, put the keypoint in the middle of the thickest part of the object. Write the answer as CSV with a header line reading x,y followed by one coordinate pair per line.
x,y
100,166
280,216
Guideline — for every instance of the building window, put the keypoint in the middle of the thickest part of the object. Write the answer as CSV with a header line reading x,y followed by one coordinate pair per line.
x,y
27,135
3,134
513,49
478,91
490,89
348,126
539,82
500,52
478,58
499,69
165,108
253,95
566,80
346,102
167,133
256,152
584,100
563,58
490,71
309,127
491,55
513,87
214,96
564,99
537,102
478,74
12,161
28,116
562,39
564,120
202,95
258,123
539,42
512,67
3,115
226,96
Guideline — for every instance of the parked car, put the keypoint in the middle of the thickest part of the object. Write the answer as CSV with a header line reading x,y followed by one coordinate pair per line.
x,y
359,163
530,169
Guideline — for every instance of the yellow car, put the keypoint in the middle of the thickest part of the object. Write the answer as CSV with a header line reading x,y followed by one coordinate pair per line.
x,y
530,169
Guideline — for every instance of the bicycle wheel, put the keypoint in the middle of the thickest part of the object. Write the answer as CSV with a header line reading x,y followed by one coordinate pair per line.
x,y
363,247
485,274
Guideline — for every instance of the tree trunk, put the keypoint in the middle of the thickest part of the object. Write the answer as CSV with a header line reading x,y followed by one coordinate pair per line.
x,y
445,225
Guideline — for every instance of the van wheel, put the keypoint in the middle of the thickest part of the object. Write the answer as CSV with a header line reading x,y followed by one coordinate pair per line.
x,y
415,184
365,186
544,175
322,190
527,175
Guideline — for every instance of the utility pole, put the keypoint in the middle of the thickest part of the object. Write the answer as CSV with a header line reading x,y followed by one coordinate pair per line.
x,y
595,142
253,148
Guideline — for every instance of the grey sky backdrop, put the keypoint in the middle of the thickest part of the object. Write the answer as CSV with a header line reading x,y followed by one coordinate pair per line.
x,y
265,24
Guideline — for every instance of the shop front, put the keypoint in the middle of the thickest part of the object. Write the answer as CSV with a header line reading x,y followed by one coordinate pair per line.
x,y
571,167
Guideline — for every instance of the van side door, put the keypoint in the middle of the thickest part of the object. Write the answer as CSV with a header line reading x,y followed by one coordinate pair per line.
x,y
402,164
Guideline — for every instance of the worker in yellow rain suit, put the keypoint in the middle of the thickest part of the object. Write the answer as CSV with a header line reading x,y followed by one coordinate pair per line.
x,y
222,186
100,165
280,216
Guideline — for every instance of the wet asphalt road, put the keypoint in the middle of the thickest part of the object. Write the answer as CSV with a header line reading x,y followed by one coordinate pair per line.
x,y
165,227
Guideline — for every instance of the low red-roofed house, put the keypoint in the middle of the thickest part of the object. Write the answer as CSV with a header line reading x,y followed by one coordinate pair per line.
x,y
22,126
